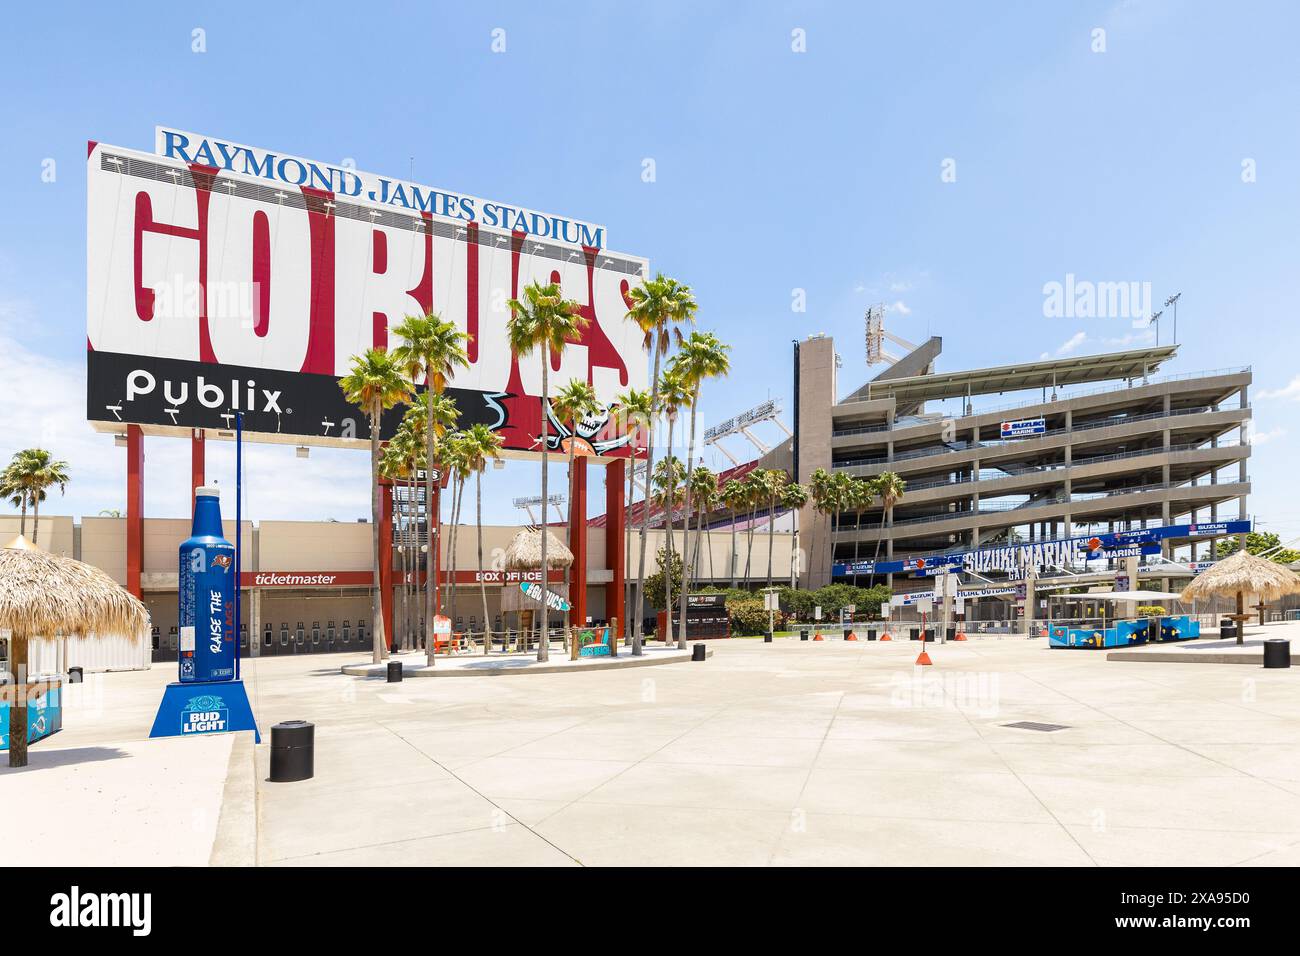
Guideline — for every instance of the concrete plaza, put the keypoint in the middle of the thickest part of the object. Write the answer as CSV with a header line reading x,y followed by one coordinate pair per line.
x,y
790,753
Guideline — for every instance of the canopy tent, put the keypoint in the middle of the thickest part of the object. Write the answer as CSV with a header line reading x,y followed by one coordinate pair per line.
x,y
1140,596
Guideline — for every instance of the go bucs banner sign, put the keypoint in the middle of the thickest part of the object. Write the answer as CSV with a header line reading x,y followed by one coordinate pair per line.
x,y
223,278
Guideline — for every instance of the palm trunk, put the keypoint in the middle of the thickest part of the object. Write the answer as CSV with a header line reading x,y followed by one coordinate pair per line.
x,y
645,509
708,538
749,541
430,514
771,535
482,585
884,513
735,580
377,603
543,644
399,638
22,522
669,495
686,511
18,712
568,572
628,599
36,516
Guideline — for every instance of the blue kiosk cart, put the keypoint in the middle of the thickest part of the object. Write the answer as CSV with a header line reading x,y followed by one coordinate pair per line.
x,y
1125,632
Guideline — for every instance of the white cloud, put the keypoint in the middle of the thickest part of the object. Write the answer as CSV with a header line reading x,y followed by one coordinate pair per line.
x,y
1256,437
1066,347
1288,392
898,306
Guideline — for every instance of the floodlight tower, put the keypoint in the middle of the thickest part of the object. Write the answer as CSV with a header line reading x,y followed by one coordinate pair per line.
x,y
876,334
1173,301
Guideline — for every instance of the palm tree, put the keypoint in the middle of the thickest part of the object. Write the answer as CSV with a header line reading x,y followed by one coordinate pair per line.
x,y
374,384
573,402
774,482
793,497
479,444
674,394
864,492
701,356
442,409
669,473
634,414
455,458
11,488
546,321
659,306
755,494
889,489
841,498
432,348
702,489
32,471
395,465
819,488
734,495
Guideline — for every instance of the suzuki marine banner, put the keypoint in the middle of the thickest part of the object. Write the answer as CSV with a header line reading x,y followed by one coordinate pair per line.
x,y
1064,551
220,280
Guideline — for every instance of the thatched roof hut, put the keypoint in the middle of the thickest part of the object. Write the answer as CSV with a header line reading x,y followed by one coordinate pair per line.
x,y
525,552
45,595
1239,575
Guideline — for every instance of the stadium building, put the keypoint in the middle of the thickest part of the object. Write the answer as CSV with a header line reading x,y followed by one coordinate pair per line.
x,y
1096,445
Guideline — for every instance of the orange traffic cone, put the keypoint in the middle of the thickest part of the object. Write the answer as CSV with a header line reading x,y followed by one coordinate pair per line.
x,y
961,636
818,636
886,637
851,637
923,658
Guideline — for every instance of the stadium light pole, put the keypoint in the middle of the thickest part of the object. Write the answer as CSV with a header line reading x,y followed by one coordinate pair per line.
x,y
1173,301
1155,320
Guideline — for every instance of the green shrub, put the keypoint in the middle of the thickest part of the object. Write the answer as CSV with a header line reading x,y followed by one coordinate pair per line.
x,y
748,617
1151,610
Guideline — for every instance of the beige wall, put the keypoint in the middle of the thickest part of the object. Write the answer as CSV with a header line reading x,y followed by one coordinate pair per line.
x,y
103,544
54,533
816,396
314,546
163,537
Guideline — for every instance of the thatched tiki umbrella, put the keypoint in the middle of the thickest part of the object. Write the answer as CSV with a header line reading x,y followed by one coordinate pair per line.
x,y
44,595
1243,574
525,554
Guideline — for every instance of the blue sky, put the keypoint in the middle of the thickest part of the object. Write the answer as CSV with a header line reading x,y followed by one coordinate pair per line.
x,y
775,171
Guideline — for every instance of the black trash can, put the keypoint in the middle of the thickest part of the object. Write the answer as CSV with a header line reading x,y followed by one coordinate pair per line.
x,y
293,745
767,638
697,652
74,675
847,632
915,633
871,633
1277,652
803,633
951,633
394,671
1227,629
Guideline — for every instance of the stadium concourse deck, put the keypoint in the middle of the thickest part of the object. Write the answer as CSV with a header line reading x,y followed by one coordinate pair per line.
x,y
1003,752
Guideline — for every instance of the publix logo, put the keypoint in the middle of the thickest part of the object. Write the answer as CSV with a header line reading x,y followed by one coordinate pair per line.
x,y
205,714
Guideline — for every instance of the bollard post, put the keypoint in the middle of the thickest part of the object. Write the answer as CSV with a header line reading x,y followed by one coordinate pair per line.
x,y
697,652
394,672
293,744
1277,652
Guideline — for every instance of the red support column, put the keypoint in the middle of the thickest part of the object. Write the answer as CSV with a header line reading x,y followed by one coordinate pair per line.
x,y
198,463
134,508
578,544
386,559
615,539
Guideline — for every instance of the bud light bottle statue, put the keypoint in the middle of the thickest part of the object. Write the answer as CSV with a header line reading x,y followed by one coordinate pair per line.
x,y
207,596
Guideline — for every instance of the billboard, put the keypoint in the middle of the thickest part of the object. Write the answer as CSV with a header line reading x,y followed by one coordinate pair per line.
x,y
1023,427
222,279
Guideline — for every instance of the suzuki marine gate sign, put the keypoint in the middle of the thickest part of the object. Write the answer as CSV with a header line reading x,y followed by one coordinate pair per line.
x,y
224,278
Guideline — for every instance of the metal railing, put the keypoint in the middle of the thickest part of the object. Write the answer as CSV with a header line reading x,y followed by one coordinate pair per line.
x,y
996,446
